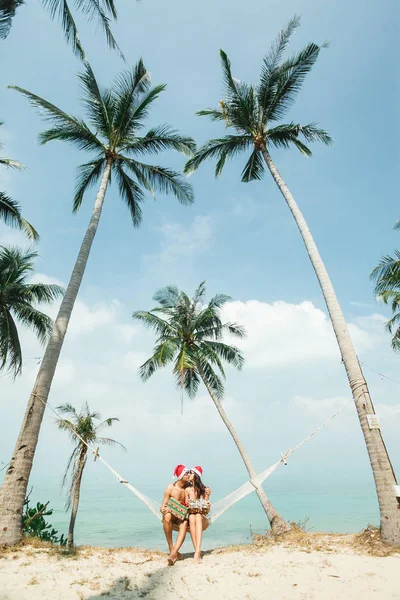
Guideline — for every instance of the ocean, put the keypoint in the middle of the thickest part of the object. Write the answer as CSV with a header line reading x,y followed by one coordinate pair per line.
x,y
111,516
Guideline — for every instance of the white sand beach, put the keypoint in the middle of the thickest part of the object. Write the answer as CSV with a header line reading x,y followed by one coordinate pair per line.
x,y
313,567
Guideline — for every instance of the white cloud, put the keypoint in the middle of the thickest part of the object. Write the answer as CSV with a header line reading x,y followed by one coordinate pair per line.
x,y
86,319
66,373
14,237
388,411
46,279
281,333
324,407
360,304
103,351
179,242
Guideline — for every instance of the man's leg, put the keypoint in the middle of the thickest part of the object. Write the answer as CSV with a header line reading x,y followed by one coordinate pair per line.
x,y
167,524
173,557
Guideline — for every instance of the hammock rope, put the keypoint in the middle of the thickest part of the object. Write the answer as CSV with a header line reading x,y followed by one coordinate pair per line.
x,y
217,508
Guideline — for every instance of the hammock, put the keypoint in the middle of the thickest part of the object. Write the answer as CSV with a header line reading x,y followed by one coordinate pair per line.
x,y
217,508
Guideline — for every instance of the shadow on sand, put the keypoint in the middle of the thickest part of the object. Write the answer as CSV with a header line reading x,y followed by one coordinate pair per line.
x,y
159,583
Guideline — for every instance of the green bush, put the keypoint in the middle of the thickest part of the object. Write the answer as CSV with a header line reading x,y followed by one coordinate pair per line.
x,y
35,525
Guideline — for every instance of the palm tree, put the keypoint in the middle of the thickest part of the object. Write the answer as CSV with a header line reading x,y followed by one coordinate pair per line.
x,y
115,118
387,287
100,10
188,335
17,304
252,113
10,211
81,424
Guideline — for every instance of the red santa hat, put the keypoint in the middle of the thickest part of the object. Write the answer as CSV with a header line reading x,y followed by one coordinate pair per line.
x,y
180,471
198,470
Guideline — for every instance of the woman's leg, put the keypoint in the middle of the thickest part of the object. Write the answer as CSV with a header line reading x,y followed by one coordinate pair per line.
x,y
192,529
199,537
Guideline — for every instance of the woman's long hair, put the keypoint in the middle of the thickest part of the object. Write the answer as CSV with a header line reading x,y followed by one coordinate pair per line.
x,y
198,486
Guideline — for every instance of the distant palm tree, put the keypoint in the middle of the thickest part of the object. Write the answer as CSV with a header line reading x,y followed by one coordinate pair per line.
x,y
188,335
100,10
17,305
252,113
387,287
115,120
84,425
10,211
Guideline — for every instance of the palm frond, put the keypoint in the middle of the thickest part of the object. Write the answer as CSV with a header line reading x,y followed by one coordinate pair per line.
x,y
167,296
240,98
104,441
95,11
60,10
8,9
291,76
79,135
164,353
215,115
254,168
99,107
158,325
10,347
131,192
162,179
229,354
40,323
44,292
387,274
127,87
283,136
10,213
88,174
211,378
221,149
270,69
12,164
159,139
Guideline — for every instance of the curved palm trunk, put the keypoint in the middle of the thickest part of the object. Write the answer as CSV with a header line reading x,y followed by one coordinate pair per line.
x,y
382,469
13,490
77,493
278,524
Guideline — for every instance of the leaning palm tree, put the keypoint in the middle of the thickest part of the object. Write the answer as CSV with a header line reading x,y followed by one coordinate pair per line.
x,y
387,287
252,112
115,118
18,299
10,211
82,424
189,336
101,11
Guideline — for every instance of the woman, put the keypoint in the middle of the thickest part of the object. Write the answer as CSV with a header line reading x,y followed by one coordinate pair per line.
x,y
197,510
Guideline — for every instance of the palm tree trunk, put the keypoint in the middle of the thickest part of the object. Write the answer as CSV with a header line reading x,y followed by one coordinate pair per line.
x,y
77,493
278,524
384,475
13,490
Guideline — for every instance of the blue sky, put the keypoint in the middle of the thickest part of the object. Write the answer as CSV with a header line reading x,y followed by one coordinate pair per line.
x,y
239,237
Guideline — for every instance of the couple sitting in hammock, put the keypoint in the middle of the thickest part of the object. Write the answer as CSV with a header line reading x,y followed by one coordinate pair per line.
x,y
185,504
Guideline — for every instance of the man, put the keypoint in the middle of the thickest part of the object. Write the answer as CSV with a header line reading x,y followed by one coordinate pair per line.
x,y
176,491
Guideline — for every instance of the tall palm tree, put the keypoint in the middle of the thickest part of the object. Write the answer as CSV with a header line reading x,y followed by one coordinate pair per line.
x,y
115,118
17,305
387,287
189,335
10,211
84,425
102,11
252,113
